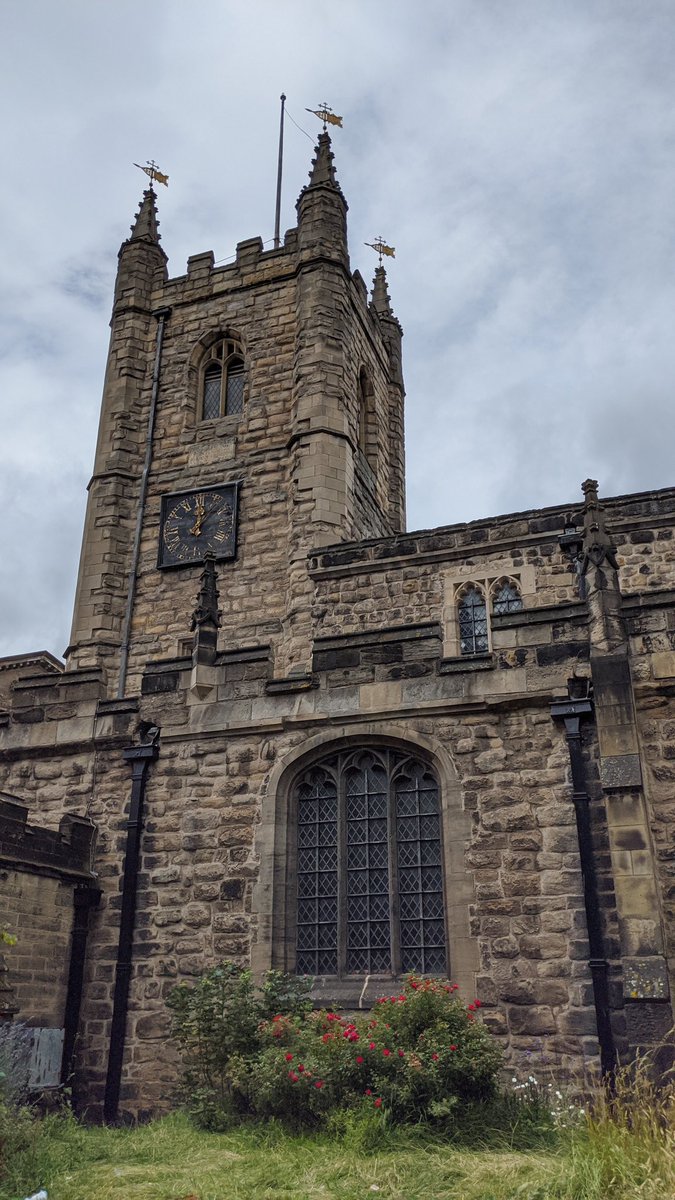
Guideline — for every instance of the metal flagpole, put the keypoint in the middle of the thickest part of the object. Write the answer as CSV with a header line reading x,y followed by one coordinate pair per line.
x,y
277,216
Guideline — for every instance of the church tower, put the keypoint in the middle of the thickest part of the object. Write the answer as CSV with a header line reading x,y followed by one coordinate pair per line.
x,y
254,411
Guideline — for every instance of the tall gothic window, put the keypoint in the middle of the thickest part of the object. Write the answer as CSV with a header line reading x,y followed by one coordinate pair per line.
x,y
222,391
505,597
369,877
473,624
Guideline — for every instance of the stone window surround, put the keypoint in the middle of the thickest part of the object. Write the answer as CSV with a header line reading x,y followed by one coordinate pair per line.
x,y
457,581
274,895
201,356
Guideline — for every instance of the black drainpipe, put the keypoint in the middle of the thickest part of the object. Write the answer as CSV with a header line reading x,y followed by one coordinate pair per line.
x,y
571,712
85,897
140,758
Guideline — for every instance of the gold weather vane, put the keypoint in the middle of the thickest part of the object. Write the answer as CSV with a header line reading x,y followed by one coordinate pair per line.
x,y
382,248
325,114
154,172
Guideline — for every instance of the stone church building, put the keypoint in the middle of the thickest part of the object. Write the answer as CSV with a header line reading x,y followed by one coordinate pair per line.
x,y
292,734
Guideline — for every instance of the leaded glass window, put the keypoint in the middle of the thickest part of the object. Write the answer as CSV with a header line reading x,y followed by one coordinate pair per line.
x,y
473,625
223,382
369,874
212,383
506,598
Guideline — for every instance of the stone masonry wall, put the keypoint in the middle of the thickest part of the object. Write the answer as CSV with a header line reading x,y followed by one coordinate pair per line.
x,y
39,911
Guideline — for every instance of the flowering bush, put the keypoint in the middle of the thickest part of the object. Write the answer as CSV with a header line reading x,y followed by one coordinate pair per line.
x,y
417,1054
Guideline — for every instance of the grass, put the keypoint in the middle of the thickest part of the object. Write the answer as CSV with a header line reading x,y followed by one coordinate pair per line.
x,y
624,1149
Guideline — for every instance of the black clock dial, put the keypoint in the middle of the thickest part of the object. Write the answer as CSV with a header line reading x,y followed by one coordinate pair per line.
x,y
197,523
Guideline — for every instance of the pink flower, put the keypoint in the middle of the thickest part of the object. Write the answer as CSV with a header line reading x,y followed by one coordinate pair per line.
x,y
371,1045
386,1053
359,1059
293,1077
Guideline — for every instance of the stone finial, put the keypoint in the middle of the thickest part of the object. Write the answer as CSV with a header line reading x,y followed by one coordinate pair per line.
x,y
323,171
145,226
380,295
597,545
207,612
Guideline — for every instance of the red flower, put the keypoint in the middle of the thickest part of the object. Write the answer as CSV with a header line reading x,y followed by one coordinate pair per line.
x,y
371,1045
477,1003
319,1083
378,1102
401,1053
367,1092
293,1077
386,1053
301,1067
401,997
453,1047
327,1037
359,1059
434,1058
471,1007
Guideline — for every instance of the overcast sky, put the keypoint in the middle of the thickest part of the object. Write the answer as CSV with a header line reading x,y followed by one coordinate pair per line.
x,y
519,154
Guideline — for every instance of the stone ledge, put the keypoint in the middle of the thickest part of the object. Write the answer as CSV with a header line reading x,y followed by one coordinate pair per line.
x,y
390,633
466,663
292,683
542,614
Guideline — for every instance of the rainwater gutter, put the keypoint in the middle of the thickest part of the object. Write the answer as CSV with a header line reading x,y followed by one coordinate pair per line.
x,y
571,712
139,758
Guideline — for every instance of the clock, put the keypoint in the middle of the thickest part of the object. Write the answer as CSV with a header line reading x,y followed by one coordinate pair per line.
x,y
196,523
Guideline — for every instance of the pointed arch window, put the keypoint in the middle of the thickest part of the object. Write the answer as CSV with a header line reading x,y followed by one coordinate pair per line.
x,y
506,597
369,875
473,622
223,379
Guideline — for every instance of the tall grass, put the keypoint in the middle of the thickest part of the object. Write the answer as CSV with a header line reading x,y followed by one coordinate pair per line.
x,y
622,1147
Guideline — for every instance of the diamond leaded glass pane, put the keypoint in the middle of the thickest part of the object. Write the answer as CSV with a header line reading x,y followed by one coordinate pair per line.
x,y
422,928
234,391
368,931
317,909
211,405
473,630
506,598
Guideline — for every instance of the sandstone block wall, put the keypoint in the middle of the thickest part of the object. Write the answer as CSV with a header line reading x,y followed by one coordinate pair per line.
x,y
39,912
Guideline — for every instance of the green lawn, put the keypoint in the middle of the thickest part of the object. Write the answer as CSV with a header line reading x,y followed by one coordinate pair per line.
x,y
170,1160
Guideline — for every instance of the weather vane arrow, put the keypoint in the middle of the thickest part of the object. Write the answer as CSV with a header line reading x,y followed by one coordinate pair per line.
x,y
325,114
381,247
154,172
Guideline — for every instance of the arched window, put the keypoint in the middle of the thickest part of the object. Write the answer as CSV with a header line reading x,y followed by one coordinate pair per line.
x,y
506,597
473,625
369,877
222,386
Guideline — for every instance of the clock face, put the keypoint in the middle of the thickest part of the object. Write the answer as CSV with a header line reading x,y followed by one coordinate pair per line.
x,y
196,523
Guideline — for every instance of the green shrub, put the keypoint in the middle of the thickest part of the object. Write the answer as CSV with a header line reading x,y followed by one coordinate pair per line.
x,y
419,1055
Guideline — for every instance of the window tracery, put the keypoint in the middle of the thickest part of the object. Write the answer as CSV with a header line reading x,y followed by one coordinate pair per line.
x,y
222,381
369,874
473,620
